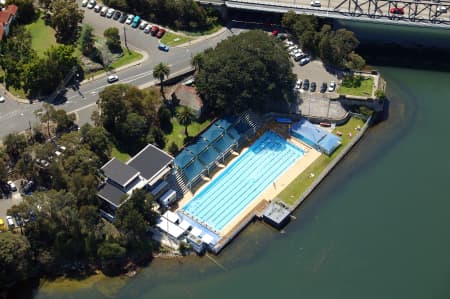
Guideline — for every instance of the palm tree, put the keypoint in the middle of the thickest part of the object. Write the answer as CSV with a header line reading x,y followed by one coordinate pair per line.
x,y
185,117
161,71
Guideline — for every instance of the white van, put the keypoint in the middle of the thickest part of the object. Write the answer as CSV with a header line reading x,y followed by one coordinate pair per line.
x,y
104,11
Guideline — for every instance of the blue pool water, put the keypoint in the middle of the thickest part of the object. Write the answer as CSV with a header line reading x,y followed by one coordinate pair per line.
x,y
241,182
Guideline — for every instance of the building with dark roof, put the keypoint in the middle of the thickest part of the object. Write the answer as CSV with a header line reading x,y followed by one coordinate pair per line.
x,y
147,169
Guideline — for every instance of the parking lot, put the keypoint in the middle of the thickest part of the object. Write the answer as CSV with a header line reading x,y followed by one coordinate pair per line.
x,y
314,71
6,203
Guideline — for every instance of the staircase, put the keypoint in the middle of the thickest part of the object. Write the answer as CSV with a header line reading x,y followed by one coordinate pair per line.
x,y
178,182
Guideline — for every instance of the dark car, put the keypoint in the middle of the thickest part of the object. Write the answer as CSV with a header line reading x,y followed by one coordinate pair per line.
x,y
123,18
163,47
154,30
116,15
313,86
323,88
160,33
397,10
306,84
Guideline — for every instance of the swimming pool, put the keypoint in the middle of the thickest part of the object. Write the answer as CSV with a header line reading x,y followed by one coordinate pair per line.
x,y
241,182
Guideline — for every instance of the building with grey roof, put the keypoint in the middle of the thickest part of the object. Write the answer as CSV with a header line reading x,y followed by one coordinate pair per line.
x,y
147,169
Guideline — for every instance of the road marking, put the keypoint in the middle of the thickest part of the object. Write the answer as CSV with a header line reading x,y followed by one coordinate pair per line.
x,y
82,108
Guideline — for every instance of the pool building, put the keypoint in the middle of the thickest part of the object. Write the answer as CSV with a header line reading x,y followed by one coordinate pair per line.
x,y
210,216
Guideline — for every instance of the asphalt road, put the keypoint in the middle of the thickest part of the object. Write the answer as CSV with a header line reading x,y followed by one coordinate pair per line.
x,y
16,117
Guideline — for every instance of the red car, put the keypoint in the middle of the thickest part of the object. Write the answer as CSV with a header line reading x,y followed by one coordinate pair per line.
x,y
275,32
154,30
397,10
160,33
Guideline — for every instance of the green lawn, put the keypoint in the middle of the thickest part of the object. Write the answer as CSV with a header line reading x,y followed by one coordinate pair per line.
x,y
116,153
43,36
177,134
128,57
364,87
295,189
172,39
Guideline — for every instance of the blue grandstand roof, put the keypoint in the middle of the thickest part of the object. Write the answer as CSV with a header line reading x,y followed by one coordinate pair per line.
x,y
194,170
224,143
329,143
198,146
223,123
209,156
308,130
212,133
233,134
183,159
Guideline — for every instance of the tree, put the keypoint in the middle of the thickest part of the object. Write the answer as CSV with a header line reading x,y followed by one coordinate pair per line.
x,y
197,61
15,145
112,256
156,136
165,119
161,71
98,141
113,109
250,70
113,39
25,9
3,166
15,259
185,117
173,148
86,40
65,19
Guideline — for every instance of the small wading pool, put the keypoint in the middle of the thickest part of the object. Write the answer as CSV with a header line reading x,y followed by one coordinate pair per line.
x,y
239,184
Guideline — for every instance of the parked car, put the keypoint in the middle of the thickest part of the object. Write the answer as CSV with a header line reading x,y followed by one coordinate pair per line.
x,y
154,30
148,28
91,4
2,99
110,13
160,33
136,21
116,15
313,86
305,60
28,188
123,18
163,47
10,222
441,9
112,78
306,84
12,186
84,3
97,8
298,55
298,84
323,87
129,19
103,11
315,3
275,32
397,10
332,86
143,25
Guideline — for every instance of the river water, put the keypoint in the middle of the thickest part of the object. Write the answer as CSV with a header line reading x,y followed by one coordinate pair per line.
x,y
377,227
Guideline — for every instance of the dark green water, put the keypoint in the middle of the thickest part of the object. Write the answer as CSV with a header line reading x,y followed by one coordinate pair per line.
x,y
378,227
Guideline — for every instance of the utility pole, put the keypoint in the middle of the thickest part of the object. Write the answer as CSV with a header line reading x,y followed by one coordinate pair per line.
x,y
125,36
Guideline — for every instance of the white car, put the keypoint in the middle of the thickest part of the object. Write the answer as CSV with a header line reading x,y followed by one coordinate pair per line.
x,y
332,86
143,25
148,28
10,221
84,3
441,9
2,99
305,60
288,43
298,84
315,3
12,186
129,19
91,4
112,78
292,48
97,8
110,13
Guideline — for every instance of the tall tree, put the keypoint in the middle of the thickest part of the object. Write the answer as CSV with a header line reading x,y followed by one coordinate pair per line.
x,y
113,39
185,117
250,70
15,259
86,40
65,18
15,145
161,71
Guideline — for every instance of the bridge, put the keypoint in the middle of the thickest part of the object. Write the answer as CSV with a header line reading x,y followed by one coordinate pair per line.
x,y
431,13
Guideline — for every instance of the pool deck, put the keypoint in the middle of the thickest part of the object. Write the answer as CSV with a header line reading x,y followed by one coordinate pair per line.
x,y
232,228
